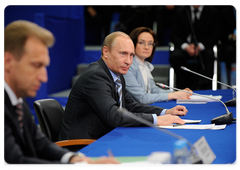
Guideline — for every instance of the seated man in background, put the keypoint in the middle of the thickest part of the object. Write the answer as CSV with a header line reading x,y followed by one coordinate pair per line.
x,y
25,60
92,107
228,39
194,33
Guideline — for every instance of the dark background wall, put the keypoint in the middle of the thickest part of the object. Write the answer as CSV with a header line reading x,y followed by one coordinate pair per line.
x,y
67,25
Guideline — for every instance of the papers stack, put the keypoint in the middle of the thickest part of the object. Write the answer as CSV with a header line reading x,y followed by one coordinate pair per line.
x,y
194,99
193,125
201,126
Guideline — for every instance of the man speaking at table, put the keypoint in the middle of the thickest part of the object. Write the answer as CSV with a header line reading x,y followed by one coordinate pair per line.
x,y
92,107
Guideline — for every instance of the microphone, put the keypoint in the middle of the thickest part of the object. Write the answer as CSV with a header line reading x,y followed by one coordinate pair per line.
x,y
231,102
223,119
194,157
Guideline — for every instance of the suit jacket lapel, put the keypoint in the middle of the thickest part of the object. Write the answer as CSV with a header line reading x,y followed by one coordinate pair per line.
x,y
11,115
114,92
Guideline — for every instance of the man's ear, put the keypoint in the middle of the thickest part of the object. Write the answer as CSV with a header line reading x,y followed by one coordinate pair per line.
x,y
105,51
8,60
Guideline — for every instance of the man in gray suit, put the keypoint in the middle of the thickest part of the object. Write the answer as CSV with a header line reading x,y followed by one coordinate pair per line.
x,y
92,107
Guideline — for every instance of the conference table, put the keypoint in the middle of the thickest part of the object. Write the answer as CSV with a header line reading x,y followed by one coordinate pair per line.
x,y
142,141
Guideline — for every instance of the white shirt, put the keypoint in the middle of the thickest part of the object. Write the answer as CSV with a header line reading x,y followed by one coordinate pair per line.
x,y
13,98
184,45
145,69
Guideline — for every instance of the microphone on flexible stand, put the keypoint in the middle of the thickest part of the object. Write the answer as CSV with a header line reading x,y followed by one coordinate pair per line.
x,y
231,102
194,157
223,119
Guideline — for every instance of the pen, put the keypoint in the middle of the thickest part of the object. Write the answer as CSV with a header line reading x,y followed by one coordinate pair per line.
x,y
110,154
177,125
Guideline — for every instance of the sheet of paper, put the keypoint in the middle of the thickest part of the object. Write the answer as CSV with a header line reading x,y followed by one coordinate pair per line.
x,y
189,102
191,121
219,127
194,99
201,126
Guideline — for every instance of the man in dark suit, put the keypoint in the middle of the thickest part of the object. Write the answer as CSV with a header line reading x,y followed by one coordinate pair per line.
x,y
92,107
228,38
195,31
25,60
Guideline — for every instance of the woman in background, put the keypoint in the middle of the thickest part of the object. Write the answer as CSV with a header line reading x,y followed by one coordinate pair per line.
x,y
139,80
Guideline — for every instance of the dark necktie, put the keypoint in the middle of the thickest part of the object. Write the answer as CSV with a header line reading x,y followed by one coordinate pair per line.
x,y
195,26
19,112
119,90
195,19
195,14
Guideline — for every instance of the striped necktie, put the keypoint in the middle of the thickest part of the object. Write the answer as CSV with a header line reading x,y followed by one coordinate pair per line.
x,y
19,112
119,90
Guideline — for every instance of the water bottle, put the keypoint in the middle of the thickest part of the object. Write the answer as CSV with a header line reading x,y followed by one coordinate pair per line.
x,y
181,152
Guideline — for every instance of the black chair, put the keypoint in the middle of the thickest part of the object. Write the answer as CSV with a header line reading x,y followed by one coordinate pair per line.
x,y
50,113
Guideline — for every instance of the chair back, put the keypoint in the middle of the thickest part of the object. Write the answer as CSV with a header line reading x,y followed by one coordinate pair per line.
x,y
49,113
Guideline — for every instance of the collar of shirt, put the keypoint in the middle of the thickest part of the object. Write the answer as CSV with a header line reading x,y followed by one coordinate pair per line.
x,y
13,98
139,61
200,8
114,76
146,65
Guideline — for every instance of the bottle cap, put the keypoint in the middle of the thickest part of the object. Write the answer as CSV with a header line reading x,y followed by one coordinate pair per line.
x,y
179,144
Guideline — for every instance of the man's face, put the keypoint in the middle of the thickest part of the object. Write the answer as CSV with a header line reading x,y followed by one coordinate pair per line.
x,y
30,71
120,58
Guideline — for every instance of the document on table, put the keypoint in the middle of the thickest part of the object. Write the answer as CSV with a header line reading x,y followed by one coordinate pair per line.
x,y
201,126
191,121
194,99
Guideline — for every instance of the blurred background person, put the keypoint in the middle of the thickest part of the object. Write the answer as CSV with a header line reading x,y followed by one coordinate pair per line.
x,y
133,16
195,31
164,18
139,80
228,38
97,23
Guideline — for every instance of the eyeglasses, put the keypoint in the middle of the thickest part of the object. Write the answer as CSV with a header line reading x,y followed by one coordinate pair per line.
x,y
143,44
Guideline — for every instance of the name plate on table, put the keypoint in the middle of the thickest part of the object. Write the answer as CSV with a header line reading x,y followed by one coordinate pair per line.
x,y
204,151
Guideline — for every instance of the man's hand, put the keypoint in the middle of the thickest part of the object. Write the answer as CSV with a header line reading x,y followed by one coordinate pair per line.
x,y
192,50
169,119
177,111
